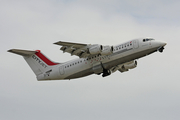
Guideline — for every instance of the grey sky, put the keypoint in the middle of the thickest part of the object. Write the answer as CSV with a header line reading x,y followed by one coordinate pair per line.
x,y
150,91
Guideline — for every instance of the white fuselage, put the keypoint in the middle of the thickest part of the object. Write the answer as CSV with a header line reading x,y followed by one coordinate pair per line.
x,y
122,53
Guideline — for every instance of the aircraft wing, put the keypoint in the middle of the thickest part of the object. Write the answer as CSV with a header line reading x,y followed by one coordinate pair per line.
x,y
77,49
84,50
70,44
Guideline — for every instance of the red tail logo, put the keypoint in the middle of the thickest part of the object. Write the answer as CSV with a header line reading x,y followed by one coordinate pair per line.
x,y
45,59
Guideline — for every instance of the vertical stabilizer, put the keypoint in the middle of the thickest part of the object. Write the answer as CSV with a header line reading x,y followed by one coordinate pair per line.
x,y
38,62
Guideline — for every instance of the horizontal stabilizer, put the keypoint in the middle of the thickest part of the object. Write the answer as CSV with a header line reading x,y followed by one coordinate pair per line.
x,y
22,52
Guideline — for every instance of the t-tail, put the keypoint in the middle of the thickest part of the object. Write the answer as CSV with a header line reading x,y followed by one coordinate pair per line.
x,y
38,62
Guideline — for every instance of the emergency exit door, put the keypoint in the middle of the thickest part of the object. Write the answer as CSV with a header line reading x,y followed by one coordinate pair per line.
x,y
61,70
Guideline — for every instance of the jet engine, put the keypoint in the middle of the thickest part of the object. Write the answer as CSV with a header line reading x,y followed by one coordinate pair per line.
x,y
107,50
129,65
96,49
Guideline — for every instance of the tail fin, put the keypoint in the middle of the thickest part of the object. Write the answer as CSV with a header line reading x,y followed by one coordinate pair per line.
x,y
38,62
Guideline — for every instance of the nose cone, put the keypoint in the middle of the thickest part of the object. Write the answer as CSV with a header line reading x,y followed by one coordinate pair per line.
x,y
162,43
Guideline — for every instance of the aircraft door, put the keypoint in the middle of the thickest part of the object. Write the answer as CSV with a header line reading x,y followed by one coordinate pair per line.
x,y
61,70
136,44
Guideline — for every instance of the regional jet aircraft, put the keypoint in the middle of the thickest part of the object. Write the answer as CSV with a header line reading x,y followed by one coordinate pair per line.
x,y
93,59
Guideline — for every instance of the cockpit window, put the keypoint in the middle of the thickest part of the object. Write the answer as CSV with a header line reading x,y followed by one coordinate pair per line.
x,y
147,39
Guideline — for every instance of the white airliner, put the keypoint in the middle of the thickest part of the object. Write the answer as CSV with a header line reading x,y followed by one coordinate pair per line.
x,y
93,59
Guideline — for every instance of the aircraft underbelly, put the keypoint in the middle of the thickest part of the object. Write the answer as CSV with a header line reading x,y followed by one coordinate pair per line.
x,y
128,58
79,74
110,64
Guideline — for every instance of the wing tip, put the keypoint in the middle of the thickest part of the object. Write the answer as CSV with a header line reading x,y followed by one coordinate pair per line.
x,y
10,50
57,43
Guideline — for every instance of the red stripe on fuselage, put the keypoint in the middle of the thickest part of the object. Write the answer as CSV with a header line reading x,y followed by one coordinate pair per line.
x,y
46,60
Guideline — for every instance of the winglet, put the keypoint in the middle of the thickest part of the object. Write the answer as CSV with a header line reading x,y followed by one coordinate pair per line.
x,y
22,52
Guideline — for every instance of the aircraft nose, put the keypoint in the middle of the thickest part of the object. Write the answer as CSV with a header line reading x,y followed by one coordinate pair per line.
x,y
162,43
161,46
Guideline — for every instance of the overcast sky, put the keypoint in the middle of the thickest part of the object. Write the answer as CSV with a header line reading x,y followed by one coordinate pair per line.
x,y
149,92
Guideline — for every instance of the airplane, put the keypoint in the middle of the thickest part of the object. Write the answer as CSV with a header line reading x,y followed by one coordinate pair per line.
x,y
93,59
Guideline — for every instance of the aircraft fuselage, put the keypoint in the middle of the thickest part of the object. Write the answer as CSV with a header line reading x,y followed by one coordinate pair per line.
x,y
122,53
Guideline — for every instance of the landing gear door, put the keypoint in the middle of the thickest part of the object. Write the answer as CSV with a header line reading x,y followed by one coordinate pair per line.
x,y
136,44
97,68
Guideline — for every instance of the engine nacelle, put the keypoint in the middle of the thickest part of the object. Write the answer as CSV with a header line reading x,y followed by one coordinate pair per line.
x,y
107,50
129,65
96,49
